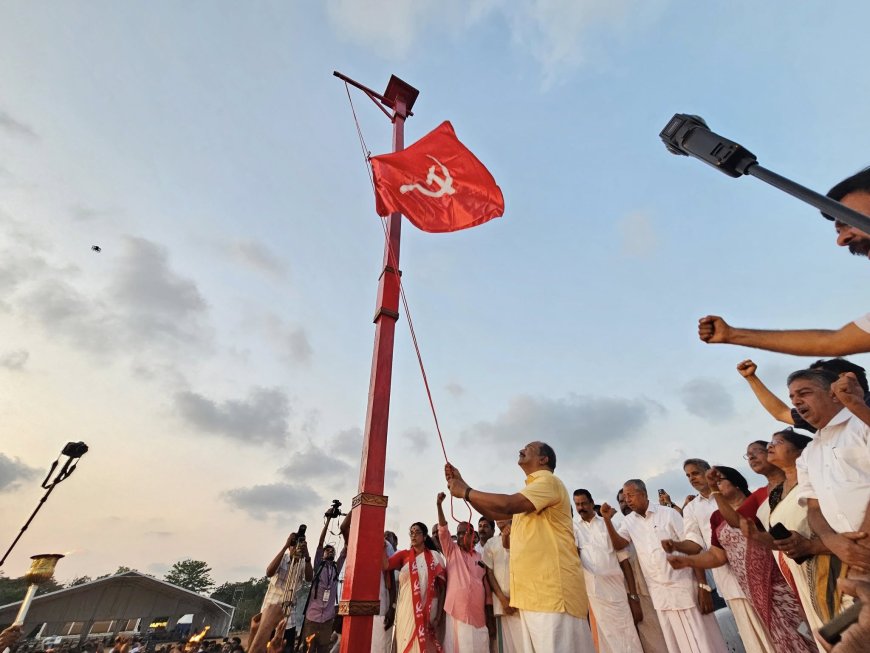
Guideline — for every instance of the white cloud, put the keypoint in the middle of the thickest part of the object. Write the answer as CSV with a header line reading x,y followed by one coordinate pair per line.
x,y
262,417
557,34
14,360
707,398
455,390
417,439
574,425
13,471
281,499
291,340
314,462
15,127
257,256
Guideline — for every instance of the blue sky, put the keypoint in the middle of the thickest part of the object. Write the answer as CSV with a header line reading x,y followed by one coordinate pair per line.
x,y
215,354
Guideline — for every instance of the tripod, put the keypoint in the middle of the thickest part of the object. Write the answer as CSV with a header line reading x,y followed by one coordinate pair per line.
x,y
73,451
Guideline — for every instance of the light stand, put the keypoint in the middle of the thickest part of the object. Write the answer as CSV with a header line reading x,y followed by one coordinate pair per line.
x,y
73,451
689,135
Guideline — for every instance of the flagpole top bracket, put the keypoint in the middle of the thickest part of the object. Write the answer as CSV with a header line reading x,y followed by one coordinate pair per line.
x,y
400,90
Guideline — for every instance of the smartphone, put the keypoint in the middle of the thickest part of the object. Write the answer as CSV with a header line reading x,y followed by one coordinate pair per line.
x,y
780,532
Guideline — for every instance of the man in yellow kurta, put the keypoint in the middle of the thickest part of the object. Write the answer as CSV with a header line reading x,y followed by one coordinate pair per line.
x,y
547,584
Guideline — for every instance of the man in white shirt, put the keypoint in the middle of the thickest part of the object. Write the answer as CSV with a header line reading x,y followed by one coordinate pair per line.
x,y
496,557
697,537
834,469
649,630
607,574
674,591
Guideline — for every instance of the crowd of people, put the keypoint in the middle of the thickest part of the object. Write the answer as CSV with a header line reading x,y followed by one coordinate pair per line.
x,y
562,575
782,559
11,638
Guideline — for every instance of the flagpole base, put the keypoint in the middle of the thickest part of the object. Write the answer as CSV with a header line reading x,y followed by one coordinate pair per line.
x,y
359,608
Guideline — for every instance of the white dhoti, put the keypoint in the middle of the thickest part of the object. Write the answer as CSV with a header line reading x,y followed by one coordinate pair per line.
x,y
555,632
689,631
752,631
508,634
613,620
382,640
460,637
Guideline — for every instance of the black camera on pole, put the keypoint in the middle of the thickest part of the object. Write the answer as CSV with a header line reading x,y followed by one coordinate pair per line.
x,y
334,511
688,135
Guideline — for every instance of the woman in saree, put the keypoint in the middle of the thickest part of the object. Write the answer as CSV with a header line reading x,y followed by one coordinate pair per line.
x,y
421,592
774,601
814,579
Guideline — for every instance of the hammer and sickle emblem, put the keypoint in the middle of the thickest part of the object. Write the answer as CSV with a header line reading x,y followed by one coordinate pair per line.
x,y
443,184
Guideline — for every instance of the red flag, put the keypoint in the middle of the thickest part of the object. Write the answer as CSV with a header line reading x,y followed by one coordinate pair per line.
x,y
437,183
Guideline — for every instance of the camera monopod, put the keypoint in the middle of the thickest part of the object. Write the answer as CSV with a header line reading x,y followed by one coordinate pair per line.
x,y
73,451
689,135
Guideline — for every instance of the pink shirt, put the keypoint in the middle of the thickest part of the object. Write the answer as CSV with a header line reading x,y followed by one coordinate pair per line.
x,y
465,591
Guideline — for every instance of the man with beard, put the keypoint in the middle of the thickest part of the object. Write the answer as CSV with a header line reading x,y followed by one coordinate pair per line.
x,y
674,595
853,192
853,338
649,630
834,469
697,537
607,574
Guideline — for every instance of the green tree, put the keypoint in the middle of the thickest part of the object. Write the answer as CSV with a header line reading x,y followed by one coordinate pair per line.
x,y
13,589
79,580
194,575
246,596
122,569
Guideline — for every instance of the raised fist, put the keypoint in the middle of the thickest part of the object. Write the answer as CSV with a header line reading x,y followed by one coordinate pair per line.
x,y
712,329
746,368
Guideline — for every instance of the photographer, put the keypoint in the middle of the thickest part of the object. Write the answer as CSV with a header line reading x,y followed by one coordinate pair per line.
x,y
321,607
293,553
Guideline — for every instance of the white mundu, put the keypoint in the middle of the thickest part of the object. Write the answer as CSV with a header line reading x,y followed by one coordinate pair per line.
x,y
509,629
555,632
673,591
605,587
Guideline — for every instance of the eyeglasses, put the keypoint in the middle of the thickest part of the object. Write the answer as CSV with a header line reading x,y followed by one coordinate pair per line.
x,y
754,453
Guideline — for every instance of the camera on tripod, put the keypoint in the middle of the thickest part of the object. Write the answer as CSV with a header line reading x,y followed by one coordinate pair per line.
x,y
334,511
75,449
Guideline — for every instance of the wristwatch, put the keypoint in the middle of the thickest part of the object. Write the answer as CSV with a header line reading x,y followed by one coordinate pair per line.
x,y
705,587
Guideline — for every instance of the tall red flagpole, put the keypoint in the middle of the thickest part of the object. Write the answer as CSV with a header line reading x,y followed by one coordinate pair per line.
x,y
360,599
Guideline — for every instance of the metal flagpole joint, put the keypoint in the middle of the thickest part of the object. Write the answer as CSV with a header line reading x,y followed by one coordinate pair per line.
x,y
360,599
688,135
